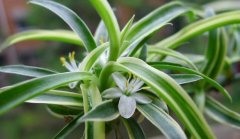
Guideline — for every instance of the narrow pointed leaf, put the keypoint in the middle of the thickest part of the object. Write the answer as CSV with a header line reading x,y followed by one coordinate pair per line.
x,y
106,111
58,98
62,111
93,57
213,49
14,96
69,128
95,99
220,6
198,28
26,70
154,21
170,66
219,65
167,125
143,54
222,114
45,35
185,78
126,29
133,128
216,51
71,18
172,53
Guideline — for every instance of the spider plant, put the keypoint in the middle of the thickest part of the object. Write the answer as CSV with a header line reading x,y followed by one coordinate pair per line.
x,y
123,78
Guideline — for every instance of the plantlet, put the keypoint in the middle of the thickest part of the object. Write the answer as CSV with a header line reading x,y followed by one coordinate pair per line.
x,y
122,74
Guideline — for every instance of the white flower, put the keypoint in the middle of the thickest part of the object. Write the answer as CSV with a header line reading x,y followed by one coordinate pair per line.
x,y
71,66
127,92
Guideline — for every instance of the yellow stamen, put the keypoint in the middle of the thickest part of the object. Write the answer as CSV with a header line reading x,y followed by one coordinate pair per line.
x,y
101,40
72,55
129,76
63,60
126,84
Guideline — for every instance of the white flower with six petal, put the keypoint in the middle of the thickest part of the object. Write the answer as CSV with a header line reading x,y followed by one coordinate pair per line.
x,y
71,66
127,92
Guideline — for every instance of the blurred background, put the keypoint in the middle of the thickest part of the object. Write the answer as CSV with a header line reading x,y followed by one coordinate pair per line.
x,y
29,121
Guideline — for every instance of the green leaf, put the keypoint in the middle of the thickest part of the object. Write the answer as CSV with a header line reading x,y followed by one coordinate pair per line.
x,y
133,128
14,96
167,89
126,29
185,78
154,21
222,114
93,57
88,128
169,66
26,70
71,18
172,53
143,54
98,128
62,111
222,53
160,103
211,55
58,98
162,121
216,52
220,6
46,35
106,111
69,128
198,28
105,11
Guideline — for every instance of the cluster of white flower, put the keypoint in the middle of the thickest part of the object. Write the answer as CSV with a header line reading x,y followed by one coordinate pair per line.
x,y
127,89
71,66
128,92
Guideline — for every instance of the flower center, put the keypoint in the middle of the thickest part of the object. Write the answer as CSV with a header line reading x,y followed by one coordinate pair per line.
x,y
127,93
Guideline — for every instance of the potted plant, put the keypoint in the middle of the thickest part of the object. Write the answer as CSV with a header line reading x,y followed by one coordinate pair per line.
x,y
124,79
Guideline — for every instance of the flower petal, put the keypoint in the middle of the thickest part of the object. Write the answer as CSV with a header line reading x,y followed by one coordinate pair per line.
x,y
72,61
112,93
126,106
135,85
120,80
142,99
